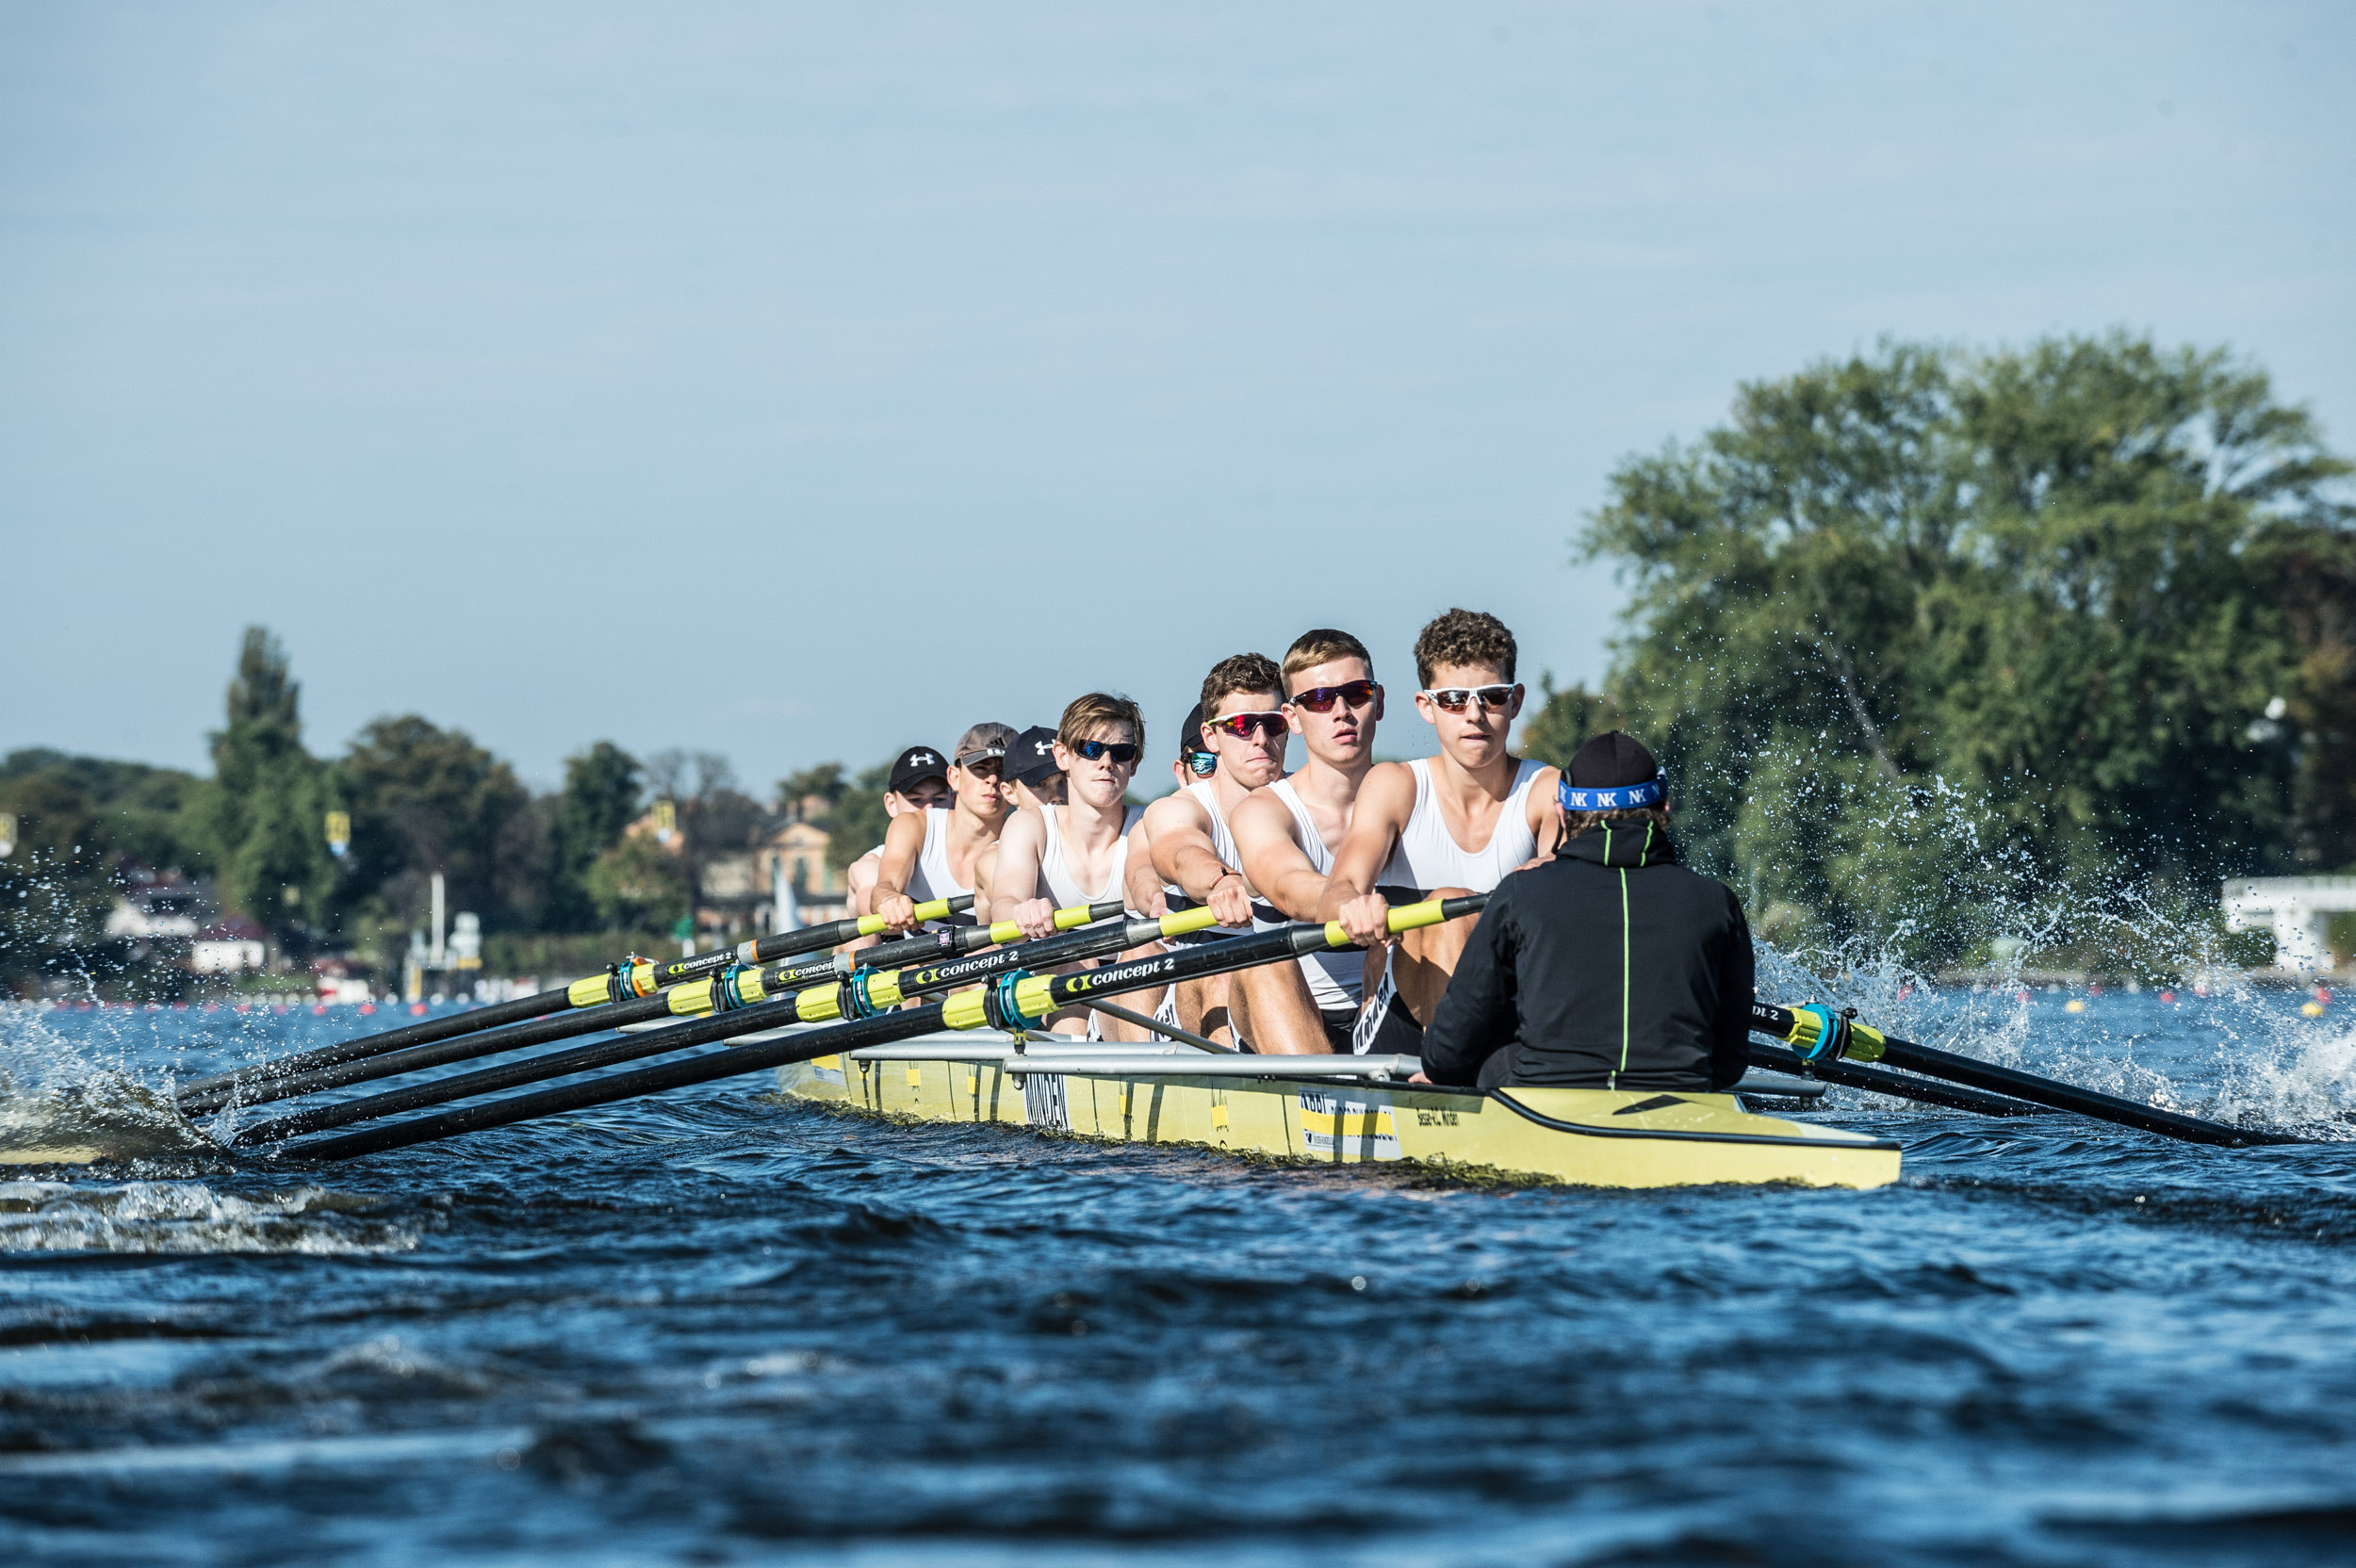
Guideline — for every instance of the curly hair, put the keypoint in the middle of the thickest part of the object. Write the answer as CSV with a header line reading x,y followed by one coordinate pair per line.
x,y
1463,637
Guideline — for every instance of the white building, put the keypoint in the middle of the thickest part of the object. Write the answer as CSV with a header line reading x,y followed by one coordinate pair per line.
x,y
227,946
2298,909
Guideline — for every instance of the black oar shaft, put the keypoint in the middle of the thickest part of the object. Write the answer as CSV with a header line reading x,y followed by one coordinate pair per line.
x,y
626,1086
663,1004
1033,996
1891,1051
205,1094
1857,1075
533,1069
643,978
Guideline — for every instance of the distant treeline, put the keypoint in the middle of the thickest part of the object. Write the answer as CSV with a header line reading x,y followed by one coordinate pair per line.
x,y
1932,644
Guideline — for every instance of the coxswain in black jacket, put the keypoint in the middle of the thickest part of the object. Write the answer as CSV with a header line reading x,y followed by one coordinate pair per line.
x,y
1609,965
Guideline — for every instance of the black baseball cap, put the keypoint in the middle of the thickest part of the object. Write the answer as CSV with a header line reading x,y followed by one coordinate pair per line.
x,y
1614,760
1190,732
1031,756
914,764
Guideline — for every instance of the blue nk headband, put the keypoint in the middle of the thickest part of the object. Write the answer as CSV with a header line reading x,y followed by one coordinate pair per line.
x,y
1624,797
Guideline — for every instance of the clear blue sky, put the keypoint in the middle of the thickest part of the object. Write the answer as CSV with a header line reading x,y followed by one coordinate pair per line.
x,y
871,369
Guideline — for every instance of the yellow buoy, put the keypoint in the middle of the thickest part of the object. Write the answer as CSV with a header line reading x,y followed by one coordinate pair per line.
x,y
2313,1009
2073,1005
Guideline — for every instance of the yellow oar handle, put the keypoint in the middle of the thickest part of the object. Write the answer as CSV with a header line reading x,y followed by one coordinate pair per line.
x,y
1409,917
1187,921
1005,931
872,925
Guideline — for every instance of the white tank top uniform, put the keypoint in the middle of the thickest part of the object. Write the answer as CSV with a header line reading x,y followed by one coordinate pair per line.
x,y
1427,858
1223,842
1055,869
931,878
1338,980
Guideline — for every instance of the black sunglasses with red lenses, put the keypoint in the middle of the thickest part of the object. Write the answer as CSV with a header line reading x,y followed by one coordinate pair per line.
x,y
1244,725
1320,699
1121,752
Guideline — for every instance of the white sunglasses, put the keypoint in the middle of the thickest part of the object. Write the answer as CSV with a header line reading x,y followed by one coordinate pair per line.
x,y
1451,700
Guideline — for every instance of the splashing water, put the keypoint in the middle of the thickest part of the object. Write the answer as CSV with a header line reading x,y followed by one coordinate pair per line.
x,y
190,1216
59,1106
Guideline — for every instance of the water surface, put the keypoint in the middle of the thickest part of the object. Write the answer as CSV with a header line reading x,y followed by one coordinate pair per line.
x,y
719,1328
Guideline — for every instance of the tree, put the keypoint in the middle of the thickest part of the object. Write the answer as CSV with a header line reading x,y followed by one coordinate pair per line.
x,y
638,884
858,819
263,813
812,792
1566,719
715,818
601,797
1928,631
54,891
425,799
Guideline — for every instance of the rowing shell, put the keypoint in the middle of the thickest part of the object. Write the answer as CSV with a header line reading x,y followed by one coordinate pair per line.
x,y
1297,1107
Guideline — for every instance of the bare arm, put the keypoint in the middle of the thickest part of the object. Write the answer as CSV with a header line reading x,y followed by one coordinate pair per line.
x,y
903,842
1385,800
1140,884
1014,880
1184,854
1273,860
861,880
1546,819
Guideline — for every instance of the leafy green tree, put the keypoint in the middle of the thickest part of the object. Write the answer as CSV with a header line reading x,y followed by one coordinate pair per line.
x,y
263,812
425,799
54,889
1566,719
812,792
1926,631
856,822
601,797
638,884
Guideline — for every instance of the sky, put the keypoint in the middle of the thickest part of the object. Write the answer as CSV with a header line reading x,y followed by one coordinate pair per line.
x,y
801,382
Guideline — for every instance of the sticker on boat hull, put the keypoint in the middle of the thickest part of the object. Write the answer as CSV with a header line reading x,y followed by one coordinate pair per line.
x,y
1043,1102
1344,1127
828,1069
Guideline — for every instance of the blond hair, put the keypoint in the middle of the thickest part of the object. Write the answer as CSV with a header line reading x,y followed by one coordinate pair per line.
x,y
1322,645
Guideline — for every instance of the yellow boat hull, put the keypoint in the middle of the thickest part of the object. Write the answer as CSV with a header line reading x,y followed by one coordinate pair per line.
x,y
1586,1138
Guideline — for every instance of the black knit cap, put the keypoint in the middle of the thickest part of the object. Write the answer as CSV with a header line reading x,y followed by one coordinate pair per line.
x,y
1611,761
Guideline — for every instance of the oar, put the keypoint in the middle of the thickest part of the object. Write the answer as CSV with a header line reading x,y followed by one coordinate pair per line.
x,y
1857,1075
1819,1035
1168,1031
1014,1001
633,979
725,992
852,994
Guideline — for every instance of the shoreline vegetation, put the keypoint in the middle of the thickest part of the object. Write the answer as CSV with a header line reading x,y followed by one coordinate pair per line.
x,y
1972,664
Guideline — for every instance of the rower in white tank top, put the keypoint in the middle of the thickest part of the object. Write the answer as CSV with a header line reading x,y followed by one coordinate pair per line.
x,y
1425,857
1336,979
1055,871
1223,842
931,878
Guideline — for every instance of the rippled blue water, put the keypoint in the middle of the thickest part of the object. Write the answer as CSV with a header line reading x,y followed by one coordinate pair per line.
x,y
724,1328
